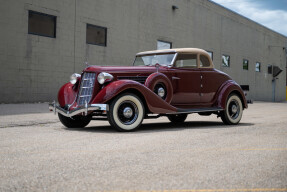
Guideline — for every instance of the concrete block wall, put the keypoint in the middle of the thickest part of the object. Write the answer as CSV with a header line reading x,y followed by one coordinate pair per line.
x,y
33,67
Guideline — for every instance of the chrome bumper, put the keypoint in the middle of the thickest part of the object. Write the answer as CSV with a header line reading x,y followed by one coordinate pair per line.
x,y
83,109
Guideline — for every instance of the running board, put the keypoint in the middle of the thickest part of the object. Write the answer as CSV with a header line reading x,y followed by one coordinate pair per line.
x,y
198,110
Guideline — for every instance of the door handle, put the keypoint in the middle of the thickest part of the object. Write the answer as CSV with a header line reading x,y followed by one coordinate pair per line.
x,y
175,78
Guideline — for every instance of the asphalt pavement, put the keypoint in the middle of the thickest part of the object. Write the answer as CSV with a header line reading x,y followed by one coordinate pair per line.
x,y
200,155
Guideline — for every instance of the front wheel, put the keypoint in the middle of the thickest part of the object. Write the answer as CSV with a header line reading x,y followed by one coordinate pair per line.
x,y
233,111
126,112
178,118
75,121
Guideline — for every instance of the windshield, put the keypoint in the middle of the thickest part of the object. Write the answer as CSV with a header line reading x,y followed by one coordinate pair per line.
x,y
151,60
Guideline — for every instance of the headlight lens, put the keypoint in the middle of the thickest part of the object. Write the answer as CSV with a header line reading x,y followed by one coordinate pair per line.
x,y
74,78
104,77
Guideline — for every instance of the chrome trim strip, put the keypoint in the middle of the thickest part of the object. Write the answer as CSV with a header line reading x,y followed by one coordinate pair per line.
x,y
173,60
83,109
197,111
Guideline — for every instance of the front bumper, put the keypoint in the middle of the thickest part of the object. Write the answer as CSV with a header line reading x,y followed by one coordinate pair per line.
x,y
82,109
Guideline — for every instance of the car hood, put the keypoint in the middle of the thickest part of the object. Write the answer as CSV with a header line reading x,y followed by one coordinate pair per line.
x,y
124,69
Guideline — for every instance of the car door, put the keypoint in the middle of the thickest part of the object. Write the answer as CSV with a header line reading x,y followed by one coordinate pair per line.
x,y
186,81
211,81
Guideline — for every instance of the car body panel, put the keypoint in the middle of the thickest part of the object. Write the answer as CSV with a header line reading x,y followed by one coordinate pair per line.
x,y
154,103
193,88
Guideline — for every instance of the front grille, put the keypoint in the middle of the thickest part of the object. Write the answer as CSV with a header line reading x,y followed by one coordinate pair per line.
x,y
140,79
86,88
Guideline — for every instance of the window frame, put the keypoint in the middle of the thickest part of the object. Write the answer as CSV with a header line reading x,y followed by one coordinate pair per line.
x,y
259,66
247,64
96,26
43,14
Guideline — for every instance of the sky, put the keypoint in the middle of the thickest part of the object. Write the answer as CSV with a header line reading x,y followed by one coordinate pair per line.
x,y
270,13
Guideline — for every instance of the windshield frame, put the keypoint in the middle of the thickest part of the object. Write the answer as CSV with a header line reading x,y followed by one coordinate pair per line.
x,y
163,53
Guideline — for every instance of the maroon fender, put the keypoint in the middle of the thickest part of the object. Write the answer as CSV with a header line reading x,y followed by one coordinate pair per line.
x,y
66,94
157,78
154,103
226,89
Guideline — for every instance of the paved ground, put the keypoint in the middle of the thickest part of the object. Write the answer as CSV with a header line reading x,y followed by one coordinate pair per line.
x,y
39,154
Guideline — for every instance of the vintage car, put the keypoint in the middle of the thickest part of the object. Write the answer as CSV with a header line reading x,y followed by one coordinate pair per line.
x,y
171,83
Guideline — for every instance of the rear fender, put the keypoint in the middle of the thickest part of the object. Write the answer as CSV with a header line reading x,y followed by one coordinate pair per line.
x,y
154,103
226,89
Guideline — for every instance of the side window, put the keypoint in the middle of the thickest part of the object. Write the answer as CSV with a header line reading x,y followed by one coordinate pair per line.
x,y
204,61
186,61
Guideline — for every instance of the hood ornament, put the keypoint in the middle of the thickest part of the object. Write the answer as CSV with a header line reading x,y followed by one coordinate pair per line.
x,y
87,63
157,67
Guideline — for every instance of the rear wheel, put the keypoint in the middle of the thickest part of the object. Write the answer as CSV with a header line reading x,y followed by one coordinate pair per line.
x,y
126,112
75,121
233,112
178,118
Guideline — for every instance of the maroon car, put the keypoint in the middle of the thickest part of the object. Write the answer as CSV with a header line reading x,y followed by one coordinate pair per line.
x,y
172,83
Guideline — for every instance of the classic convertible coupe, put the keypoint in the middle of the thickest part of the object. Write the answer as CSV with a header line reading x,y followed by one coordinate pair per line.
x,y
171,83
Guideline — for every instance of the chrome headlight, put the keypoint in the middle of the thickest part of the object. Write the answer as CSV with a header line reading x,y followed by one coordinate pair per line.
x,y
74,78
104,77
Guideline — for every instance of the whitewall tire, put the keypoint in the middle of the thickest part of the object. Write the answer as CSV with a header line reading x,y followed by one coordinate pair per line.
x,y
126,112
233,111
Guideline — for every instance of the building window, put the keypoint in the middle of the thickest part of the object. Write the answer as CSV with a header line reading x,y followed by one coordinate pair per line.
x,y
164,45
245,64
96,35
258,67
269,69
210,53
42,24
225,60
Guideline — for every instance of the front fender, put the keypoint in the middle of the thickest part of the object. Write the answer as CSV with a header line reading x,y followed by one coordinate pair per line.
x,y
226,89
154,103
66,94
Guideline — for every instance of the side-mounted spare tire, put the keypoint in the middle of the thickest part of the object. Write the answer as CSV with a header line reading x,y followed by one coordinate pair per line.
x,y
160,85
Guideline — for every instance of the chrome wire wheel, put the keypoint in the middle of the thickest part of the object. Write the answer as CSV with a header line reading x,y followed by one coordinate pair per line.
x,y
234,110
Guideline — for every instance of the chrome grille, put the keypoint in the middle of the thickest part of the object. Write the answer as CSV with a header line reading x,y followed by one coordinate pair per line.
x,y
86,88
140,79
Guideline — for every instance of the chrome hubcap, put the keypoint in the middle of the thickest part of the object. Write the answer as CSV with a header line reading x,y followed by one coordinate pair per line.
x,y
128,112
234,109
161,92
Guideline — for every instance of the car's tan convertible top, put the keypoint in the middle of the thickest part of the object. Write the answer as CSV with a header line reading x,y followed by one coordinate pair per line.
x,y
179,50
